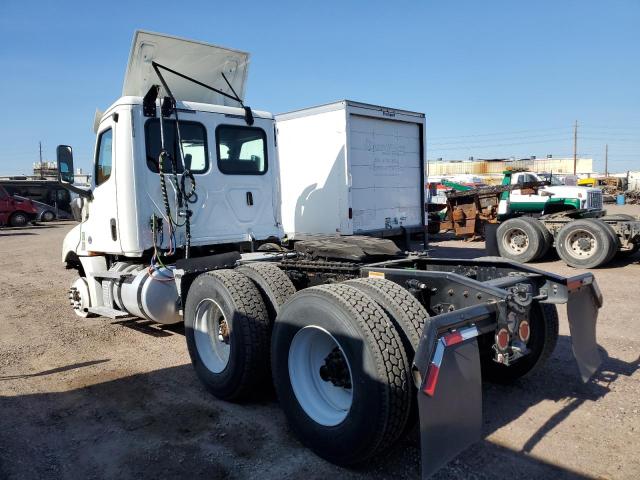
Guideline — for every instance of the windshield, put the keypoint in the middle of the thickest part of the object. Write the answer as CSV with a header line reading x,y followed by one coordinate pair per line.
x,y
555,181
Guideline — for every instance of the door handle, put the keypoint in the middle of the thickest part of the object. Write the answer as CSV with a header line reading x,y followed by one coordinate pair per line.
x,y
114,231
250,199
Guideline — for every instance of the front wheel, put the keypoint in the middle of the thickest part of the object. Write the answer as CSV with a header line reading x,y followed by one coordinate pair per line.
x,y
227,332
340,373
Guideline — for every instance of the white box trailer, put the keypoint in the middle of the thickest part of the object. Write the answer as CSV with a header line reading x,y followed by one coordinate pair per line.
x,y
352,168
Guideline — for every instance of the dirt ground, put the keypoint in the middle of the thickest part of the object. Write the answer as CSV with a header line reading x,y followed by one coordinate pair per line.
x,y
99,398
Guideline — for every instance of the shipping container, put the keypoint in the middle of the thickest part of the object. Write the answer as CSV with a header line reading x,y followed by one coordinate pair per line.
x,y
352,168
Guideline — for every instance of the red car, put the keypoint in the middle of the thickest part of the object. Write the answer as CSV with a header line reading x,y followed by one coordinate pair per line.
x,y
14,211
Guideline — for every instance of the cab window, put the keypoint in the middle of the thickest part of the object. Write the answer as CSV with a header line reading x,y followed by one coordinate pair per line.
x,y
194,145
104,159
241,150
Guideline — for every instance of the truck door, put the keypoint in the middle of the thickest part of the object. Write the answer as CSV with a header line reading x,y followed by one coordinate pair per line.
x,y
241,195
523,200
100,230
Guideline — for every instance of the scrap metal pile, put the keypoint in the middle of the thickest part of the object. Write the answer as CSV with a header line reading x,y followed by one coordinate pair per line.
x,y
469,210
633,197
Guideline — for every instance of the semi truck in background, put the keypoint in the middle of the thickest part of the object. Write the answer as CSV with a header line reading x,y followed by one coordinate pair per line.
x,y
531,216
364,343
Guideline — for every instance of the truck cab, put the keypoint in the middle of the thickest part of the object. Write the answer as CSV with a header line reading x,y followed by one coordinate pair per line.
x,y
548,199
229,167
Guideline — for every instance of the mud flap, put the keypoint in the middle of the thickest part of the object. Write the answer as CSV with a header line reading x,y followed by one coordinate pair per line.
x,y
451,419
582,310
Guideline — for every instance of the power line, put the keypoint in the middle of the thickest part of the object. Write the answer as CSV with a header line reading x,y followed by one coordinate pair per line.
x,y
502,133
548,136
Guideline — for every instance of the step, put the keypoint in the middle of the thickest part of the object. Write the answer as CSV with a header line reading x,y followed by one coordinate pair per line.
x,y
108,312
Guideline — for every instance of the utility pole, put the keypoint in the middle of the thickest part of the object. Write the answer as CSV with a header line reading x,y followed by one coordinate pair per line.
x,y
606,160
40,146
575,147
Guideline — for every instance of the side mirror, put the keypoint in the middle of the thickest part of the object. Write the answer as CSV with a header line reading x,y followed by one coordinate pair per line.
x,y
64,155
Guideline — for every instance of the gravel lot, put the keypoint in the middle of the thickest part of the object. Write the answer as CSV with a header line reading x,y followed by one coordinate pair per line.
x,y
98,398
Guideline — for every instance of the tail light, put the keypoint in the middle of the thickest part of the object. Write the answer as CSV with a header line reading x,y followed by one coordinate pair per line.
x,y
524,331
502,339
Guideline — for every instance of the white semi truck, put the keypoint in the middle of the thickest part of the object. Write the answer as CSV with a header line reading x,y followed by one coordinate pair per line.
x,y
361,341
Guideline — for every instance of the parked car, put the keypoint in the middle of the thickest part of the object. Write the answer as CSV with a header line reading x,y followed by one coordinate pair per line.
x,y
16,211
46,212
52,200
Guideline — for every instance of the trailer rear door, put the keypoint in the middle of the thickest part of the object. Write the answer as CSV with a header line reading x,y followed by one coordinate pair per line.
x,y
386,173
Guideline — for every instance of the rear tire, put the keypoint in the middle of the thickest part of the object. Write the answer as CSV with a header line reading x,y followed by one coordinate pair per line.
x,y
227,332
408,316
274,285
585,243
18,219
363,420
615,243
543,322
547,239
520,239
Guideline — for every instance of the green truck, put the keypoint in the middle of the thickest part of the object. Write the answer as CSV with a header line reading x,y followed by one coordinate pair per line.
x,y
535,215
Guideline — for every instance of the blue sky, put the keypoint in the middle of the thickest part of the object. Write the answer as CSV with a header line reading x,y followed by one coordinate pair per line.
x,y
495,78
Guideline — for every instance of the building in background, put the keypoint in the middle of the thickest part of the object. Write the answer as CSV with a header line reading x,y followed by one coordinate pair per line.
x,y
49,171
561,166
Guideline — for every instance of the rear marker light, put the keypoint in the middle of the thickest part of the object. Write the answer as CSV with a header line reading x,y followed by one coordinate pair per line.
x,y
524,331
453,338
502,339
431,381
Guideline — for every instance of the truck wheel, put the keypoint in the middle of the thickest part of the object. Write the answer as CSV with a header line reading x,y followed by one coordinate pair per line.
x,y
584,243
340,372
547,239
79,297
274,285
18,219
408,316
615,243
520,239
403,309
543,327
48,216
227,331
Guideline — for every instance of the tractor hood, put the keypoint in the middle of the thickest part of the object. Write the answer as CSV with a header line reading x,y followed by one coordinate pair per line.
x,y
564,191
201,61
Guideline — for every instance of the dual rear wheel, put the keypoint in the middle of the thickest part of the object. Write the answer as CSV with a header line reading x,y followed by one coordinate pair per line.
x,y
340,354
340,361
581,243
